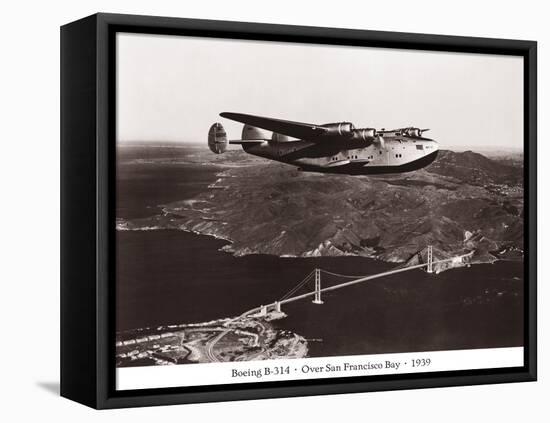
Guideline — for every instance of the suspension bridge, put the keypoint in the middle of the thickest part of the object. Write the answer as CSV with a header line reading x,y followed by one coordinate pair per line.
x,y
315,276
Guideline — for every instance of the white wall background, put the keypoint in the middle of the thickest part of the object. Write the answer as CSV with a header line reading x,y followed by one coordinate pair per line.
x,y
29,212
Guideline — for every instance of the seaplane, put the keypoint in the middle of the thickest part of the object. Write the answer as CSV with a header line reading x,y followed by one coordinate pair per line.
x,y
328,148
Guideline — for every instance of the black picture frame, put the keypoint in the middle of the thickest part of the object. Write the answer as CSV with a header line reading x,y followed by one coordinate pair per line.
x,y
87,212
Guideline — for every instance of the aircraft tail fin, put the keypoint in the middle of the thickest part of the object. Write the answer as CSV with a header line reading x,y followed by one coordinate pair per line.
x,y
217,138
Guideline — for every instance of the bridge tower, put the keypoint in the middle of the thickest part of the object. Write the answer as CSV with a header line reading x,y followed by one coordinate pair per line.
x,y
278,306
430,259
317,299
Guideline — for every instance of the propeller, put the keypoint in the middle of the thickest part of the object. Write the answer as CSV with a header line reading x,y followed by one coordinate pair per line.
x,y
379,140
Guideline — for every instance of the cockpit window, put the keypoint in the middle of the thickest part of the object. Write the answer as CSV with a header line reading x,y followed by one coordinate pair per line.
x,y
419,147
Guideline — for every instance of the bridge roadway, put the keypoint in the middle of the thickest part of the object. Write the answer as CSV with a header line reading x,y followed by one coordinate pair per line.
x,y
212,342
364,279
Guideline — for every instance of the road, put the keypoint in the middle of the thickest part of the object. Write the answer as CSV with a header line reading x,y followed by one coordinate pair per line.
x,y
210,346
212,342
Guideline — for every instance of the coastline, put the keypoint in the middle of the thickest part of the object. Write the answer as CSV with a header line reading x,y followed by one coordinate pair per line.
x,y
245,338
227,248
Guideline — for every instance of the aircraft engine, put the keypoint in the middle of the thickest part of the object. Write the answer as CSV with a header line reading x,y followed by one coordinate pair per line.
x,y
342,129
217,138
365,134
414,132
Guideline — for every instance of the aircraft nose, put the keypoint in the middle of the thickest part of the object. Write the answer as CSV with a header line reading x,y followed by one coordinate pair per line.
x,y
431,147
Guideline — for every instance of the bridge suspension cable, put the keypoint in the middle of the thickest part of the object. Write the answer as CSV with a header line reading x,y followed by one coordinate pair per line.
x,y
341,275
355,279
297,287
310,276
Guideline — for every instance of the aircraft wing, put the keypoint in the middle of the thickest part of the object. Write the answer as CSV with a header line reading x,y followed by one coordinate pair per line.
x,y
286,127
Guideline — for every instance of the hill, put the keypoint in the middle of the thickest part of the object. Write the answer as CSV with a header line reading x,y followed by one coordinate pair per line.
x,y
462,202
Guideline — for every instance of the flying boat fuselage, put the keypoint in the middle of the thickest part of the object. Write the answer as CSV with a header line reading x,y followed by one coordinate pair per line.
x,y
331,148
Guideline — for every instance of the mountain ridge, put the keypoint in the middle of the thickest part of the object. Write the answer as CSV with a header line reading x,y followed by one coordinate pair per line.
x,y
463,202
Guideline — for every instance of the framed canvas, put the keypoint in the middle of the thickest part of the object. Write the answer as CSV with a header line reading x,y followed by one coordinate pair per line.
x,y
258,211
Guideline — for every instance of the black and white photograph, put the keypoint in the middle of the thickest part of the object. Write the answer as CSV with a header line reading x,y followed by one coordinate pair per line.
x,y
239,211
295,211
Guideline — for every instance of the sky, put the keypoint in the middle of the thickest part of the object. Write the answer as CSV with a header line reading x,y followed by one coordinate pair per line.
x,y
172,88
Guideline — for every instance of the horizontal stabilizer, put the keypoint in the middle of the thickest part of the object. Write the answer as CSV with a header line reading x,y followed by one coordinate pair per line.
x,y
247,142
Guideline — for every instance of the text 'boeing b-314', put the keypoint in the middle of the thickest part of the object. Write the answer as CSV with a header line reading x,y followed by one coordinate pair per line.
x,y
329,148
